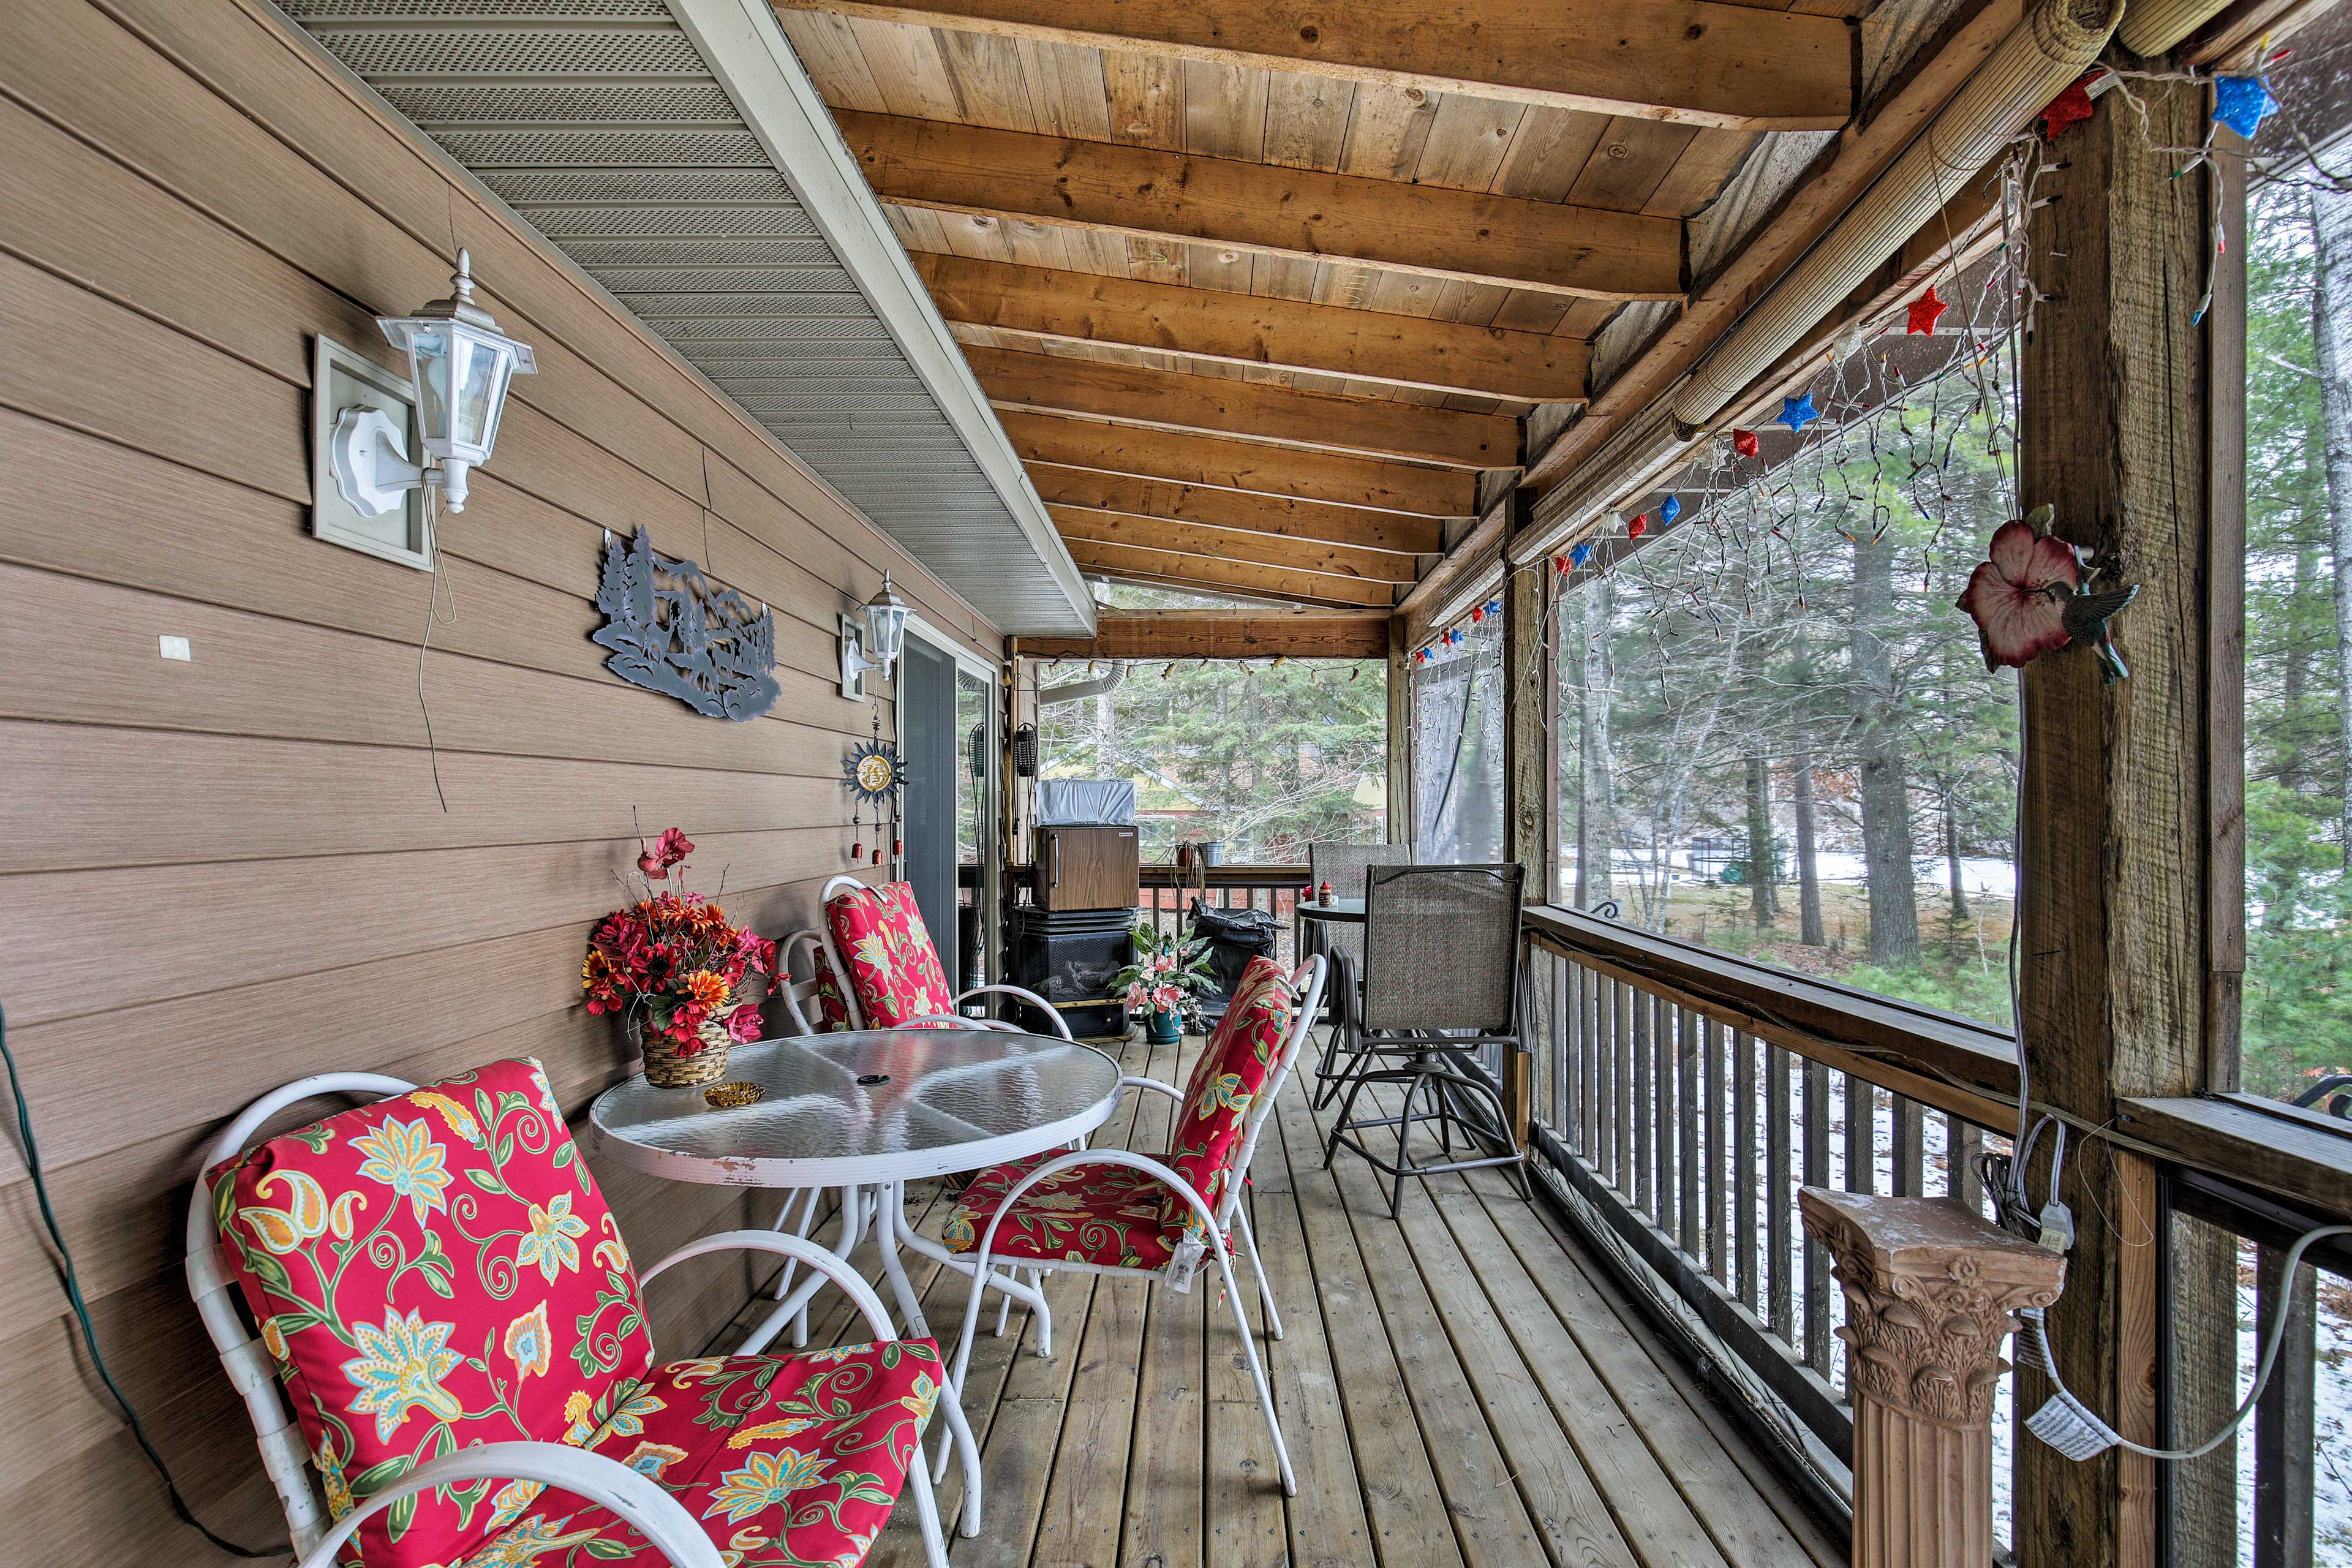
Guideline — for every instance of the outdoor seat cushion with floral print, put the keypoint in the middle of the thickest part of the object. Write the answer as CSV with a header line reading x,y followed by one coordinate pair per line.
x,y
1108,1214
1228,1075
833,1010
892,966
785,1461
433,1272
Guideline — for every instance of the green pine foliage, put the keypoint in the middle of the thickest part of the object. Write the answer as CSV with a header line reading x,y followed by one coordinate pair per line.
x,y
1264,757
2298,1008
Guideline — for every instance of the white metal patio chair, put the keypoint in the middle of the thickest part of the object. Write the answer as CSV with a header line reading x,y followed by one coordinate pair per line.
x,y
405,1368
1131,1215
915,985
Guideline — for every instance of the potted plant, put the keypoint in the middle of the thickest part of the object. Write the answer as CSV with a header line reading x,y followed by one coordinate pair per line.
x,y
671,966
1164,983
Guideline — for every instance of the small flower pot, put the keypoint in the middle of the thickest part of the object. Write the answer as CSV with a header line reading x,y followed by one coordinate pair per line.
x,y
1212,853
1161,1027
668,1068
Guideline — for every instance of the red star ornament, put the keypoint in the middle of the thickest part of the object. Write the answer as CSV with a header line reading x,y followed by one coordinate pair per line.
x,y
1638,527
1744,442
1923,312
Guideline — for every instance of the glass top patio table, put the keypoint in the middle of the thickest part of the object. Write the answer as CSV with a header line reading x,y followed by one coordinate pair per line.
x,y
1346,911
862,1107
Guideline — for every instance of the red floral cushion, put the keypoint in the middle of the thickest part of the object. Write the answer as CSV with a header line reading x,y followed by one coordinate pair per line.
x,y
1227,1077
785,1461
430,1272
880,935
833,1010
1090,1213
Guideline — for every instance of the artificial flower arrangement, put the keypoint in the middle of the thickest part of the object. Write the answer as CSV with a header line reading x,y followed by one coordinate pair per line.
x,y
1169,971
670,964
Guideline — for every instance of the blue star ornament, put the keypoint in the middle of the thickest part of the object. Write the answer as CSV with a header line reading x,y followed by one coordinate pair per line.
x,y
1580,554
1668,512
1797,413
2242,103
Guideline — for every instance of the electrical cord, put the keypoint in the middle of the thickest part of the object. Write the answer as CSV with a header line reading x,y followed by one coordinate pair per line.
x,y
2067,1425
81,1315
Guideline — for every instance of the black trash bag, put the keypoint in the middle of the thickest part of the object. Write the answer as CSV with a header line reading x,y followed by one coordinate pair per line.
x,y
1234,937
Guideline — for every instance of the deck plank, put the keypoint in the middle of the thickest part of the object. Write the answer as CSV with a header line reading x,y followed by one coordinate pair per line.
x,y
1460,1387
1412,1524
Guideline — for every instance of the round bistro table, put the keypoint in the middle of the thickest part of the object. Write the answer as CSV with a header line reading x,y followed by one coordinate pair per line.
x,y
864,1112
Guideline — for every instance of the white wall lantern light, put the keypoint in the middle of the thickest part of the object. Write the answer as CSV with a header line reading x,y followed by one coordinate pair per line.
x,y
460,365
872,638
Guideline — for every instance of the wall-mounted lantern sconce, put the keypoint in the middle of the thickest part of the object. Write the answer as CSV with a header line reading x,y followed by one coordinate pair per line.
x,y
459,365
872,638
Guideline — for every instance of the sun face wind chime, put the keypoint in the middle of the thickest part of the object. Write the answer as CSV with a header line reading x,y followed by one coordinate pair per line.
x,y
875,775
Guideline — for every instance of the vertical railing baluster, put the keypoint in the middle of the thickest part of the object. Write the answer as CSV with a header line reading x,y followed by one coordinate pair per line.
x,y
1688,1149
1816,1175
1717,1169
1627,1085
1571,1086
1910,1148
1963,1144
1665,1172
1596,1072
1740,1187
1643,1108
2285,1417
1779,1200
1610,1132
1861,1135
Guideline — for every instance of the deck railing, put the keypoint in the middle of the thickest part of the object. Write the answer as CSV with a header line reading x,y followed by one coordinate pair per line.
x,y
1679,1097
1167,892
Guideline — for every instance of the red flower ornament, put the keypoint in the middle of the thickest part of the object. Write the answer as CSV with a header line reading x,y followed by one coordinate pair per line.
x,y
2018,598
671,847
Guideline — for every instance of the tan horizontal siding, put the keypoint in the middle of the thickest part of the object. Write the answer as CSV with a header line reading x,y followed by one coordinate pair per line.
x,y
221,874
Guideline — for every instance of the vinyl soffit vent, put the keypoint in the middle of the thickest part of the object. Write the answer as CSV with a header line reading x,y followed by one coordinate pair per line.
x,y
604,124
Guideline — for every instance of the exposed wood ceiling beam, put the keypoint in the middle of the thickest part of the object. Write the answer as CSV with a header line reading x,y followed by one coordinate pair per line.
x,y
1215,576
1243,328
1692,61
1085,489
1222,544
1509,242
1241,466
1230,596
1863,153
1220,634
1214,404
1472,549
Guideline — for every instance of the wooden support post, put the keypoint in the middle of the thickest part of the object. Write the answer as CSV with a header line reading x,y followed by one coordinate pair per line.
x,y
1529,823
1931,1292
1401,807
1530,768
2115,862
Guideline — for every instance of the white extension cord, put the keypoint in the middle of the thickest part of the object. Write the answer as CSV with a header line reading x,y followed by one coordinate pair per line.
x,y
2067,1425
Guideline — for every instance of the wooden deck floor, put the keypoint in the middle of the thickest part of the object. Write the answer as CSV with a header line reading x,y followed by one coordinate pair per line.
x,y
1460,1388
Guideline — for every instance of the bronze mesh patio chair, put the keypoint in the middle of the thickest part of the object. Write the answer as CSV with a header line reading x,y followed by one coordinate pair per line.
x,y
1440,985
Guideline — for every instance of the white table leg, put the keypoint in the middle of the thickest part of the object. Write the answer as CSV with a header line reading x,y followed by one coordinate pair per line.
x,y
999,1280
892,1230
794,1308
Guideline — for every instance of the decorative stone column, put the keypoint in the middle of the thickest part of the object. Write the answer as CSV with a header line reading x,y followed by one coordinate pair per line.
x,y
1930,1291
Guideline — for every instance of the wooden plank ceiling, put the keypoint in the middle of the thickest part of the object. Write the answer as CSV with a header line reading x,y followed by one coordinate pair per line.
x,y
1258,288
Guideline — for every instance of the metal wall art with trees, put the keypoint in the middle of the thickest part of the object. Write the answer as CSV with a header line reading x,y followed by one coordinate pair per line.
x,y
673,630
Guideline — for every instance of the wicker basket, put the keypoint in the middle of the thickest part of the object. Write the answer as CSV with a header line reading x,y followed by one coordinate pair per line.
x,y
665,1068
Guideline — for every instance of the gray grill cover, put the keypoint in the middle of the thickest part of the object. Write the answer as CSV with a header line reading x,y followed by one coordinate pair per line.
x,y
1086,802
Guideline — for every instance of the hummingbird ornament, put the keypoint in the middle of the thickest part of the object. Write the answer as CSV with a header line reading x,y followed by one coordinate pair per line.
x,y
2034,595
